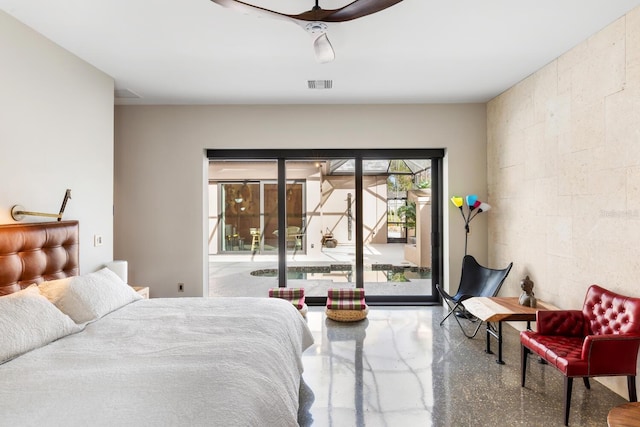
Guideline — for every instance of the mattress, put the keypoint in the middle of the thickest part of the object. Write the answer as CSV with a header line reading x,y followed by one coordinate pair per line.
x,y
165,362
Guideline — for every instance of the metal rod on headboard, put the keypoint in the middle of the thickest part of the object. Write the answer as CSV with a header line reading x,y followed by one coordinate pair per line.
x,y
18,213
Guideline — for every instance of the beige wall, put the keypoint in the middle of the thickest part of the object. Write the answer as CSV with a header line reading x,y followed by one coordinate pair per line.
x,y
161,195
564,171
56,132
419,251
374,209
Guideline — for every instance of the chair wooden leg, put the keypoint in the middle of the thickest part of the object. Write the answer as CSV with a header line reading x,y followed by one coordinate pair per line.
x,y
524,353
631,385
568,385
586,383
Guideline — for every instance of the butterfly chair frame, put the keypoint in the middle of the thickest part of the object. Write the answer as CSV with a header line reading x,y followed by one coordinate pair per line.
x,y
476,281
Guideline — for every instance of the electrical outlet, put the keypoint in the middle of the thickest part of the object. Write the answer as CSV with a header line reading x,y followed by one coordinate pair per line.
x,y
97,240
180,287
312,246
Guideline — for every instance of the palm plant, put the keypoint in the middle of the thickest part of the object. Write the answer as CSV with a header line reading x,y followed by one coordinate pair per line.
x,y
408,214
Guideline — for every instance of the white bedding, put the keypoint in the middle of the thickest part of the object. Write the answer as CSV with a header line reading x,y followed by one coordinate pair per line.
x,y
165,362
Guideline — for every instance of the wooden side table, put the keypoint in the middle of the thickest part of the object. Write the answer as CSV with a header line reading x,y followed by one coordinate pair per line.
x,y
625,415
142,290
502,309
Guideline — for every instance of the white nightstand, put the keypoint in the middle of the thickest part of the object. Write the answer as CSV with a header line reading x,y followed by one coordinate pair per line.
x,y
142,290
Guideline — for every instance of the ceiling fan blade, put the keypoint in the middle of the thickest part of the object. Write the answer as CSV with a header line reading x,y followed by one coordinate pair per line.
x,y
354,10
250,9
323,49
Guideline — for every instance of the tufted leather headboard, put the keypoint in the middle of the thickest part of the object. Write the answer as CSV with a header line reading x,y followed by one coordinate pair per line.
x,y
32,253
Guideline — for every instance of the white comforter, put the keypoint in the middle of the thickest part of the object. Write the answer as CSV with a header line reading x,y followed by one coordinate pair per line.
x,y
165,362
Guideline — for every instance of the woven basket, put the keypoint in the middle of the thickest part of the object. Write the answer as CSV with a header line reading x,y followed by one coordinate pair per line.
x,y
347,315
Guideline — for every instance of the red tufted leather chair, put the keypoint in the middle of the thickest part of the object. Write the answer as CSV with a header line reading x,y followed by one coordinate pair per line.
x,y
601,340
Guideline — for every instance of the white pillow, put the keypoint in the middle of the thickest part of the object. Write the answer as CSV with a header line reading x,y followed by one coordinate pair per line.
x,y
89,297
29,321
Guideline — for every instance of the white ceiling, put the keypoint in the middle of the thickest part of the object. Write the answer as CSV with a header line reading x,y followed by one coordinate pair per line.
x,y
418,51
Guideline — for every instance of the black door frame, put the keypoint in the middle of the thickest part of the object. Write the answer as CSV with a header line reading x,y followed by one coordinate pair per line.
x,y
281,156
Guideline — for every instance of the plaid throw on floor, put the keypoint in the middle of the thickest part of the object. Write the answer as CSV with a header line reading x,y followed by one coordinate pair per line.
x,y
346,299
294,295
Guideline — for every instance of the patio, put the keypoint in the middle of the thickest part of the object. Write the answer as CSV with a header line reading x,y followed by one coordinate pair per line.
x,y
230,274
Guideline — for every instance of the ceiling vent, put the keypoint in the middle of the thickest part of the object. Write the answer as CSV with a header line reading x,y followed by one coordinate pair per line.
x,y
125,93
320,84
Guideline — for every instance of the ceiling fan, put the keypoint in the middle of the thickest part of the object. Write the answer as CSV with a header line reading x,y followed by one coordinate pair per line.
x,y
314,21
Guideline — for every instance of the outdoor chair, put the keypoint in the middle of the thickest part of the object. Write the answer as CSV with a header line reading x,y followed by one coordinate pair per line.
x,y
294,236
476,281
255,239
600,340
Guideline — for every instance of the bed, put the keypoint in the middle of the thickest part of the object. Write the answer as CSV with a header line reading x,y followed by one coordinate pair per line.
x,y
162,361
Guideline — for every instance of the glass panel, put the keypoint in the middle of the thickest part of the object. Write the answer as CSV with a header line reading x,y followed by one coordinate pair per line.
x,y
270,229
396,226
399,211
295,217
243,209
240,216
373,167
320,227
397,216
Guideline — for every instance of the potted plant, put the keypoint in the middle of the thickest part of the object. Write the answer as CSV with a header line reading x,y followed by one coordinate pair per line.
x,y
408,215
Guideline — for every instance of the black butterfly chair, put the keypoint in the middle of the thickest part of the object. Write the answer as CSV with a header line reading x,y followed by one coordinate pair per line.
x,y
476,281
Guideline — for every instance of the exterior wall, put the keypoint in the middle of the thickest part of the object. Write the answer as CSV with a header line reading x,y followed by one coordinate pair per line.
x,y
564,171
56,132
419,250
374,209
164,235
334,208
314,213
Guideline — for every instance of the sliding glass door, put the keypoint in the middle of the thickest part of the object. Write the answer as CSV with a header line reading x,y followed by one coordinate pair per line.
x,y
324,219
325,223
397,249
243,213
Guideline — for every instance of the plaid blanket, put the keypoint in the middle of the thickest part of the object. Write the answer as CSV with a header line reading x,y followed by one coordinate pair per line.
x,y
346,299
295,295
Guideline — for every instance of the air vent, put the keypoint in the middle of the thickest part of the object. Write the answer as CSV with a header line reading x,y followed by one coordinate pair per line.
x,y
125,93
320,84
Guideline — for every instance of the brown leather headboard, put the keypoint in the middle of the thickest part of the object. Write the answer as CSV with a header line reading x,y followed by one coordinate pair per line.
x,y
32,253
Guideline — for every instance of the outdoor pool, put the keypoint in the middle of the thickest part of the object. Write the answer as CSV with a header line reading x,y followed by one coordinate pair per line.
x,y
340,272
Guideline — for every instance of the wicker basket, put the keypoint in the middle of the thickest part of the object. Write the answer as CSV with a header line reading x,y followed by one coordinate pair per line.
x,y
347,315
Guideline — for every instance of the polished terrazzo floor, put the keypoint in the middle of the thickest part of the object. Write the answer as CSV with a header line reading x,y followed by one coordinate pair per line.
x,y
399,368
